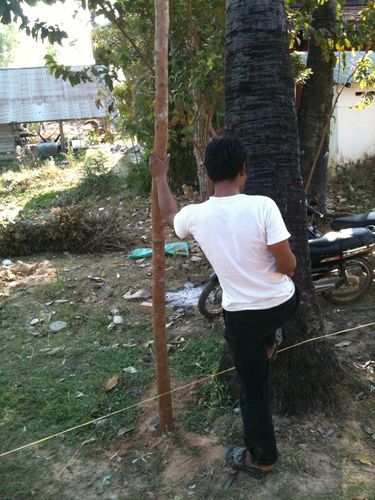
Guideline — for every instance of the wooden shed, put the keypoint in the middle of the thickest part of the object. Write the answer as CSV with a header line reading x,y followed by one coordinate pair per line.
x,y
31,95
7,144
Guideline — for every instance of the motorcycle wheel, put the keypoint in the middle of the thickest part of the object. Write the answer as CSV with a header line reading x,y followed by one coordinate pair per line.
x,y
360,276
209,303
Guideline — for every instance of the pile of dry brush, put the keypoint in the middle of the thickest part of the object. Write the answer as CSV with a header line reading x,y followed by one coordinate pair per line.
x,y
69,229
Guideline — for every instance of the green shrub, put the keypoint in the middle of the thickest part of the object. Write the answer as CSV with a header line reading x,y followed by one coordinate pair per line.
x,y
138,179
97,177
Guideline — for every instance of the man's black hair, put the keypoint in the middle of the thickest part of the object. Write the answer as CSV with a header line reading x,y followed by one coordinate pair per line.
x,y
224,157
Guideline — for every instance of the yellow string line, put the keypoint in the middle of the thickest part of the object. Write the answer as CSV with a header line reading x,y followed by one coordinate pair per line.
x,y
322,337
140,403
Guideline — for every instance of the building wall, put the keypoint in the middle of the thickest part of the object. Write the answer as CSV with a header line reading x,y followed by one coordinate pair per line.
x,y
7,144
352,132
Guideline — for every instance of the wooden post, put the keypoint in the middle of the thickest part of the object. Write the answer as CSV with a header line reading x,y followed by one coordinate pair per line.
x,y
158,255
62,138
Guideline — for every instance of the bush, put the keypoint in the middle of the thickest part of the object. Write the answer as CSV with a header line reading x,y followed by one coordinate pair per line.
x,y
66,229
97,178
138,178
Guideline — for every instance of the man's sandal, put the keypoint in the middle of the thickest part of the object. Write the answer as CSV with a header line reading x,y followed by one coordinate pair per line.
x,y
235,457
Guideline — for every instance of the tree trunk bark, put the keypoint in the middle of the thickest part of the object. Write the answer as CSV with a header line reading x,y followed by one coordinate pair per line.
x,y
203,131
259,91
315,110
158,253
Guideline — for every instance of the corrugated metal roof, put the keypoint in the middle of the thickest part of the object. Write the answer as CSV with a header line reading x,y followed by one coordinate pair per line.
x,y
343,75
33,95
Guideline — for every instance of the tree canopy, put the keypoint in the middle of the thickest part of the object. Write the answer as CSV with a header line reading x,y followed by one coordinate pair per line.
x,y
123,45
7,44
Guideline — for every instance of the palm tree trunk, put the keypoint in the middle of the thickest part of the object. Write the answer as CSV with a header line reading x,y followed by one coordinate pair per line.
x,y
316,105
260,111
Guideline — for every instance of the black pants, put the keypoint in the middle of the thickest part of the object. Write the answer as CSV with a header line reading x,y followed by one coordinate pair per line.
x,y
248,334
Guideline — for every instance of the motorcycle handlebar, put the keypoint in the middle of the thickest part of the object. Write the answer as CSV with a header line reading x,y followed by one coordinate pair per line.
x,y
312,211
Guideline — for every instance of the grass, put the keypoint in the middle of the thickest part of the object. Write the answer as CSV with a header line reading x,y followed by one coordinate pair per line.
x,y
64,389
37,186
50,382
54,381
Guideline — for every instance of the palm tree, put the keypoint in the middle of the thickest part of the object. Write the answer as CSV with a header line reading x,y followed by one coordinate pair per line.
x,y
316,106
260,110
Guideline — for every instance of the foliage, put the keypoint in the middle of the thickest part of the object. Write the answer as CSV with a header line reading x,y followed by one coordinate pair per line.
x,y
196,69
347,37
365,75
12,11
69,228
7,44
138,178
300,70
213,401
355,181
126,45
78,76
197,52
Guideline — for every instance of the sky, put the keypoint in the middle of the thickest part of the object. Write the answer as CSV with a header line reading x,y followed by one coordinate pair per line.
x,y
76,49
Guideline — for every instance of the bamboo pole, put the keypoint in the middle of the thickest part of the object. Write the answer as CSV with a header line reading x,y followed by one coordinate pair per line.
x,y
158,256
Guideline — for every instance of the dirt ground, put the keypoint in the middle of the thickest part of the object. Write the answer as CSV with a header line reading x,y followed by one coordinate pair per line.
x,y
322,456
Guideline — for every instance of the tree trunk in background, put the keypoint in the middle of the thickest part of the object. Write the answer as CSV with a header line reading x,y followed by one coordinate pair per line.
x,y
203,131
260,111
315,111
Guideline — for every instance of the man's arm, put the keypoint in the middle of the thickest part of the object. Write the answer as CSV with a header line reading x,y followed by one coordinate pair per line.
x,y
167,203
285,259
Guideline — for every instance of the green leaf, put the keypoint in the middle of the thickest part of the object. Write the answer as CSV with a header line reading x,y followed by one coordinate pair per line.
x,y
6,17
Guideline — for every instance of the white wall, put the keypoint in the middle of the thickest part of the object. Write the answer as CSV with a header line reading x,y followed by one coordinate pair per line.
x,y
352,132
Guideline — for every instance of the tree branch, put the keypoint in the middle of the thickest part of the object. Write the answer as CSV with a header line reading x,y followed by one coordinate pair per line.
x,y
120,25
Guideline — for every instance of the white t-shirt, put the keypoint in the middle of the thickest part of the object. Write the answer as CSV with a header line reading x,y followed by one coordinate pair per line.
x,y
233,232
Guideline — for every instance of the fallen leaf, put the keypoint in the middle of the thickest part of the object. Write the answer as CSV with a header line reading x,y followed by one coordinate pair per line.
x,y
130,369
123,431
140,294
344,343
147,343
328,433
118,320
54,351
111,383
365,459
57,326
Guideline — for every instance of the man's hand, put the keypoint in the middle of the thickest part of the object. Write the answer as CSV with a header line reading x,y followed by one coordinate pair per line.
x,y
285,259
158,167
167,203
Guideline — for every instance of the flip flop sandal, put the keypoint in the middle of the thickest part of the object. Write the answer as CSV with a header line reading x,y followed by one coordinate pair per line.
x,y
235,457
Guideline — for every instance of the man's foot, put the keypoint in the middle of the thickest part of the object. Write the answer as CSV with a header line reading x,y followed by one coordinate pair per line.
x,y
249,463
239,458
272,350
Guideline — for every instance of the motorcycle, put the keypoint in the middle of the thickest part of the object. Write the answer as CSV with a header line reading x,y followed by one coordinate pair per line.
x,y
340,267
339,223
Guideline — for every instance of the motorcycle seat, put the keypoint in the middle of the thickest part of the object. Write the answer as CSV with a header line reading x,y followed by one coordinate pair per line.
x,y
339,241
361,220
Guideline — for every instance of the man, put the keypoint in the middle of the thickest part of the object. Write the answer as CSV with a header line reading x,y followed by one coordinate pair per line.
x,y
246,242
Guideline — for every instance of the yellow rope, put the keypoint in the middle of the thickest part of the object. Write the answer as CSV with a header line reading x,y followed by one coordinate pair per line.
x,y
323,337
136,405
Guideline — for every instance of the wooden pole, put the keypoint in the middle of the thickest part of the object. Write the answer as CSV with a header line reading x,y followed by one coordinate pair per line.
x,y
62,138
158,255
